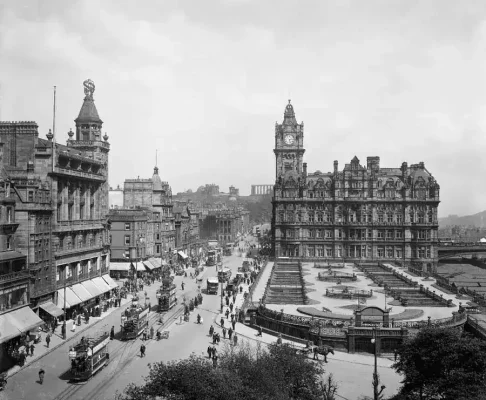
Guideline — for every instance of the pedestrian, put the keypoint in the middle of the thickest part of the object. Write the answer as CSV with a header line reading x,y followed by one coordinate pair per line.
x,y
63,330
112,333
210,351
260,331
227,313
48,339
182,285
32,347
222,322
214,338
213,351
231,306
234,298
395,352
142,350
224,333
79,320
215,361
230,333
316,353
73,329
235,339
279,340
151,332
211,330
227,301
41,376
218,338
233,323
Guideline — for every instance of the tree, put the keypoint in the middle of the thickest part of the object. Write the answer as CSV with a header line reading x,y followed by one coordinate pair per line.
x,y
440,363
329,388
245,372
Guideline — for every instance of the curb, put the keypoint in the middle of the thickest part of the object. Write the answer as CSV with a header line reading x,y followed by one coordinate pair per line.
x,y
51,349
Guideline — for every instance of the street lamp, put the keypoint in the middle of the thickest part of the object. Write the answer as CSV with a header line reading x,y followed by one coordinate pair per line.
x,y
376,377
222,292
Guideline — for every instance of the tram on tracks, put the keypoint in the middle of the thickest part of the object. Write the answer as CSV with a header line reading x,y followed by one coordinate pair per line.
x,y
88,357
133,321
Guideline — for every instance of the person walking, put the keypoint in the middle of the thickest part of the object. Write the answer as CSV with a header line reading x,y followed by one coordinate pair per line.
x,y
211,330
182,285
214,338
213,351
235,339
63,330
222,322
142,350
32,348
231,307
279,339
73,329
224,333
260,331
227,313
112,333
151,332
215,361
48,339
233,323
41,376
210,351
316,353
230,333
144,334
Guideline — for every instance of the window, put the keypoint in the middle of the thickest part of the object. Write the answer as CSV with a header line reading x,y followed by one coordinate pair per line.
x,y
339,251
328,234
340,234
399,234
320,217
59,211
81,212
70,212
399,218
431,217
380,218
390,217
9,215
428,251
421,252
421,218
398,252
412,219
312,233
9,242
310,251
381,252
369,233
158,236
127,226
422,234
328,251
389,252
351,217
389,234
380,234
30,196
311,217
319,233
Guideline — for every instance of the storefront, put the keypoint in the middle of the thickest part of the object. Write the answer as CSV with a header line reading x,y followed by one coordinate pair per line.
x,y
15,333
48,311
71,301
119,270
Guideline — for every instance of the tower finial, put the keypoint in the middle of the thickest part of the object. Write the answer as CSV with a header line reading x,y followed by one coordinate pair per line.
x,y
289,101
155,157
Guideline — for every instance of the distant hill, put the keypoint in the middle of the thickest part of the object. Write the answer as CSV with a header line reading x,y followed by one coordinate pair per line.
x,y
478,220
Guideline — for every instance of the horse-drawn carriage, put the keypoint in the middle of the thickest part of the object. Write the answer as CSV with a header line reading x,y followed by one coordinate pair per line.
x,y
322,350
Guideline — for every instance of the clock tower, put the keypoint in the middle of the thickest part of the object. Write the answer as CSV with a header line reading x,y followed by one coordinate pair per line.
x,y
289,146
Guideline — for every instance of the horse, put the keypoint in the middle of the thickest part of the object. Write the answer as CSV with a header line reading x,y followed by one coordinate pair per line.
x,y
325,350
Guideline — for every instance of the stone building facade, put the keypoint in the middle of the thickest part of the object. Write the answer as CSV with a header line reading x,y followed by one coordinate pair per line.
x,y
359,213
61,202
155,196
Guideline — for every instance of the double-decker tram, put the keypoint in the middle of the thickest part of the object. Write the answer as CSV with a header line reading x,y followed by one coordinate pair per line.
x,y
88,357
133,321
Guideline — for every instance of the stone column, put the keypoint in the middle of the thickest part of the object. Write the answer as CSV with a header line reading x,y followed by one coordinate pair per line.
x,y
357,314
386,319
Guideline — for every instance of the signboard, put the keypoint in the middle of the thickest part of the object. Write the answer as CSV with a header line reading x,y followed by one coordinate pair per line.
x,y
99,346
143,313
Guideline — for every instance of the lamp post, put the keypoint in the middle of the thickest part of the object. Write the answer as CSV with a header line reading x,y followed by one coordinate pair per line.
x,y
376,377
222,292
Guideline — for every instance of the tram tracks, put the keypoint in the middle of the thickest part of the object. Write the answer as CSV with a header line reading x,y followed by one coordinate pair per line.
x,y
120,358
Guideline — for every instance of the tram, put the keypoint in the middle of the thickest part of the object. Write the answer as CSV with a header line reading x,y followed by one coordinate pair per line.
x,y
133,321
166,296
88,357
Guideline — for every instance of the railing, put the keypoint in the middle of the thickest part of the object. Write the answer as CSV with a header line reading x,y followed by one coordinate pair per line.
x,y
12,276
83,143
76,223
475,323
80,174
456,319
61,253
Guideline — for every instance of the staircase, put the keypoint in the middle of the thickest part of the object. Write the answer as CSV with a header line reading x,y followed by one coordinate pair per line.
x,y
286,284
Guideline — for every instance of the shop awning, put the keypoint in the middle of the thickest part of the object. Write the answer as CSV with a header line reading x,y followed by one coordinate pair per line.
x,y
109,280
92,288
51,309
182,254
71,298
7,329
20,320
101,284
139,266
155,262
124,266
80,291
148,265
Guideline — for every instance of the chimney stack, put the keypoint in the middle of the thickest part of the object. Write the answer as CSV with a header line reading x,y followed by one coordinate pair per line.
x,y
304,165
335,167
404,170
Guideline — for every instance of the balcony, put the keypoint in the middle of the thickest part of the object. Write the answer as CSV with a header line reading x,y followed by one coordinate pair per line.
x,y
65,226
14,276
9,227
71,173
78,250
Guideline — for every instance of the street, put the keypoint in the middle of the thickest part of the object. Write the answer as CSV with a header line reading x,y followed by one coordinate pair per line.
x,y
352,372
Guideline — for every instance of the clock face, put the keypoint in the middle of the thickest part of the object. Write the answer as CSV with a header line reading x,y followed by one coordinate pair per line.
x,y
289,139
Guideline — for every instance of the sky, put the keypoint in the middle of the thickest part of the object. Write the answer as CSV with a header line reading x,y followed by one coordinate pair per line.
x,y
203,83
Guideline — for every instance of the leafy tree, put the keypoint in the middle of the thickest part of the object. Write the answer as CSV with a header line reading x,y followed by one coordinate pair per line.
x,y
244,372
440,363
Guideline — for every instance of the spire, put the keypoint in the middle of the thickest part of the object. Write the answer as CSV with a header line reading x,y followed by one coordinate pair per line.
x,y
88,112
156,181
289,115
